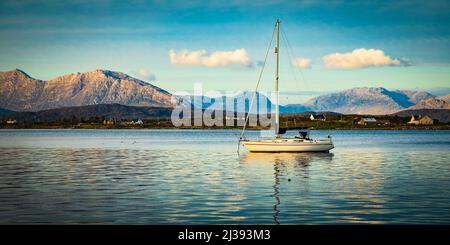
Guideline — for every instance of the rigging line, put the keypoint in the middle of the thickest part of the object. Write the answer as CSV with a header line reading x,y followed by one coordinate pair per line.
x,y
290,53
257,84
283,33
290,59
293,69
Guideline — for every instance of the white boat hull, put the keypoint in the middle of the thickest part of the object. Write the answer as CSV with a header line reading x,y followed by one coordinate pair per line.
x,y
288,145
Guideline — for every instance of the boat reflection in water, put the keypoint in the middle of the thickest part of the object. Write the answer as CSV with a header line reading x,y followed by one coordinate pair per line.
x,y
288,168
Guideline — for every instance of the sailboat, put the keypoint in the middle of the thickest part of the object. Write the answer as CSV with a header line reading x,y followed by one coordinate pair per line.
x,y
299,143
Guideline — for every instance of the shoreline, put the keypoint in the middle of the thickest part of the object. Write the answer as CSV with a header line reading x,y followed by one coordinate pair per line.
x,y
99,127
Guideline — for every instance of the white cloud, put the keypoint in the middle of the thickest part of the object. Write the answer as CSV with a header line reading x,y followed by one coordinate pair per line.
x,y
302,63
146,75
359,58
214,59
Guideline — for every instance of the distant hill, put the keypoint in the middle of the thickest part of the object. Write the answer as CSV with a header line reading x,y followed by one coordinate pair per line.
x,y
308,113
364,100
295,108
442,102
239,102
20,92
6,111
443,115
109,111
233,102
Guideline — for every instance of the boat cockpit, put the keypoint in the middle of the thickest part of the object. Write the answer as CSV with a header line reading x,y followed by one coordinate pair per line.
x,y
302,135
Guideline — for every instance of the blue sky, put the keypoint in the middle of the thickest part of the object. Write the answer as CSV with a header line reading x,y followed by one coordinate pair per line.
x,y
51,38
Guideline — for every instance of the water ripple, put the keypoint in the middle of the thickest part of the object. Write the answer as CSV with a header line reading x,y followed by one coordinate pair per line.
x,y
196,177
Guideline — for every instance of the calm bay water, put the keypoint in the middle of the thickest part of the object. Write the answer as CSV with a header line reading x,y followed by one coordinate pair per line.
x,y
197,177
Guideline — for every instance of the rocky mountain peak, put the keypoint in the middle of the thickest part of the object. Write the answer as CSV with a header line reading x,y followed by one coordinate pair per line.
x,y
367,100
16,73
442,102
22,93
445,98
108,73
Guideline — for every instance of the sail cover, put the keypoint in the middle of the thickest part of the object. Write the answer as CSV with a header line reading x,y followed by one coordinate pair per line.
x,y
283,130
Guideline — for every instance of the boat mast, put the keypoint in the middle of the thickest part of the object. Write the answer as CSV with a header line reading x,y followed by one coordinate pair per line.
x,y
277,51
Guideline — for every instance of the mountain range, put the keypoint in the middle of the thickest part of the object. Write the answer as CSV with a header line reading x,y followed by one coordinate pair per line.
x,y
20,92
441,102
238,102
364,100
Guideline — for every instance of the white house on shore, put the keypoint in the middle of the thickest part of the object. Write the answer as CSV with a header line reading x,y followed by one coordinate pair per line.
x,y
132,122
11,122
366,121
139,122
317,117
419,120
